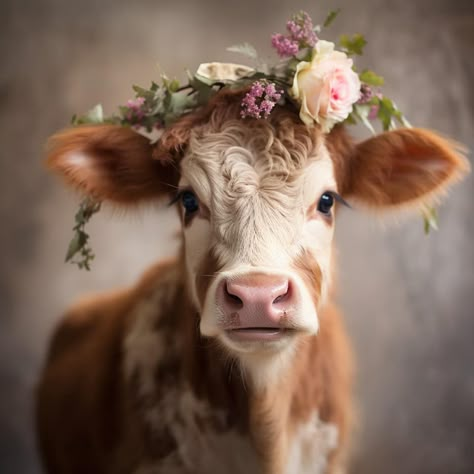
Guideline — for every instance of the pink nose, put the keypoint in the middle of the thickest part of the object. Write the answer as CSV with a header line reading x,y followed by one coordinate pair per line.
x,y
255,300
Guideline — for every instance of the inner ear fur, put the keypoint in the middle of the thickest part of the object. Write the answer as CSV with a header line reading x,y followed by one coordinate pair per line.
x,y
110,162
404,167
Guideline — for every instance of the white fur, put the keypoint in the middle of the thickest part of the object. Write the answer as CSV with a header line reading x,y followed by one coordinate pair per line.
x,y
258,201
201,448
310,447
78,160
144,345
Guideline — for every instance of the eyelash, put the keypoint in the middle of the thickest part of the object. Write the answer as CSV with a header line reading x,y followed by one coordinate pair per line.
x,y
338,198
335,195
177,196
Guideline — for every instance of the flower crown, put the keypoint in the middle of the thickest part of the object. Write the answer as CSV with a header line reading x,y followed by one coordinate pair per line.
x,y
312,75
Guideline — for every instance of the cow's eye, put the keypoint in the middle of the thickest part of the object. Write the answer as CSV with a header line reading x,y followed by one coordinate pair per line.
x,y
190,202
326,201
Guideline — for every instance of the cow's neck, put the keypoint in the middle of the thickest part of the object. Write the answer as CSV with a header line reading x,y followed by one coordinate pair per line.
x,y
267,413
166,330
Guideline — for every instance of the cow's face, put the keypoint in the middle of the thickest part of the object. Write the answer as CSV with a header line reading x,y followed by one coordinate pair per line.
x,y
257,208
257,202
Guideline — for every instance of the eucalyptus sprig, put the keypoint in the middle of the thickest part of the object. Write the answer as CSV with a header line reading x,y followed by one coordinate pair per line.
x,y
79,245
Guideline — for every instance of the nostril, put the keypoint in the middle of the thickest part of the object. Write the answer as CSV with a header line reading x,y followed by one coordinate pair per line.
x,y
285,294
232,299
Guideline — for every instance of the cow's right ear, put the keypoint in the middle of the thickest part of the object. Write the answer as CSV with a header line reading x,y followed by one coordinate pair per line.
x,y
111,163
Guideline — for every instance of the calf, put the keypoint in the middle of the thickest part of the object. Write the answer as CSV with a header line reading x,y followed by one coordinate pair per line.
x,y
232,357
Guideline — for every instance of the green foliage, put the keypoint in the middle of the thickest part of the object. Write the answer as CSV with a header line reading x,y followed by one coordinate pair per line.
x,y
147,94
361,112
369,77
331,17
79,244
430,219
389,114
93,116
352,45
171,85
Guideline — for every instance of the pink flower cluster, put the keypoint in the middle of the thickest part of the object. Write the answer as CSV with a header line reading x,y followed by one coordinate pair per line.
x,y
301,35
260,100
366,95
135,112
285,46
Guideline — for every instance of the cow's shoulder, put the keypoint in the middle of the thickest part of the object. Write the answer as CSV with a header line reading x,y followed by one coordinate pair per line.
x,y
82,394
105,317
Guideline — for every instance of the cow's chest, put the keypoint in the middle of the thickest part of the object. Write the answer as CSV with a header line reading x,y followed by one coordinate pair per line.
x,y
198,438
187,435
200,442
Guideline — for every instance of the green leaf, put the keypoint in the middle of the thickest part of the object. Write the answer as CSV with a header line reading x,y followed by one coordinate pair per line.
x,y
73,248
386,113
174,85
142,92
79,241
96,114
430,217
369,77
171,85
351,120
245,48
76,244
362,113
198,78
354,45
180,102
331,17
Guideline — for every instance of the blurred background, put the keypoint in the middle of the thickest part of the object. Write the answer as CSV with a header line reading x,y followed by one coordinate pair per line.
x,y
408,298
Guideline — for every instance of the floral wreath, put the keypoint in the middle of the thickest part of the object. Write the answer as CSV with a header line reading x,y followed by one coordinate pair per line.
x,y
320,80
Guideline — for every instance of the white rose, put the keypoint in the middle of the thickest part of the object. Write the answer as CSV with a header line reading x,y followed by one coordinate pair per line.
x,y
327,87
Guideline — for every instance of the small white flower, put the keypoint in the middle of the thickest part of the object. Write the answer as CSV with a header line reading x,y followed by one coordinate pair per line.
x,y
223,71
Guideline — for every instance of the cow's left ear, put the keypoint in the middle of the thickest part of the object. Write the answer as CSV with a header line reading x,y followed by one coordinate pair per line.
x,y
110,163
400,168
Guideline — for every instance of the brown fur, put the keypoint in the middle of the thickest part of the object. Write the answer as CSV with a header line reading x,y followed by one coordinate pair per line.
x,y
121,171
310,272
90,418
403,166
83,384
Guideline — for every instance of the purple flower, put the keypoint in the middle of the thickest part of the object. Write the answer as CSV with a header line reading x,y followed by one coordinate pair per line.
x,y
301,29
135,110
285,47
301,35
260,100
366,94
135,103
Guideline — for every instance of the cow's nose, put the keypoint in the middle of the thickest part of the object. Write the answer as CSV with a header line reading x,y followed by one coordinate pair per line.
x,y
255,300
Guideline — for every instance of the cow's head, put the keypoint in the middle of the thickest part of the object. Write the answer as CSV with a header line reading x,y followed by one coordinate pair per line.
x,y
257,200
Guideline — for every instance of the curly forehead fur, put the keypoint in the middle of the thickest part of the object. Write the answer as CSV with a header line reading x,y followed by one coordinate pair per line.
x,y
250,172
280,144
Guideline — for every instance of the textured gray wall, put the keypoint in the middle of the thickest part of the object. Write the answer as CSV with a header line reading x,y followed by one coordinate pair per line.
x,y
408,299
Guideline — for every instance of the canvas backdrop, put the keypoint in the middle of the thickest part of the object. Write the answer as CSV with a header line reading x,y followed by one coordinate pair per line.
x,y
408,298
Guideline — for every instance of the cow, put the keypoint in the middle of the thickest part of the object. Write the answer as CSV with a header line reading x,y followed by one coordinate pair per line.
x,y
232,357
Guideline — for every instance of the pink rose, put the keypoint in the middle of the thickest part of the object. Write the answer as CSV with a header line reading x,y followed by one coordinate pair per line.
x,y
326,87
